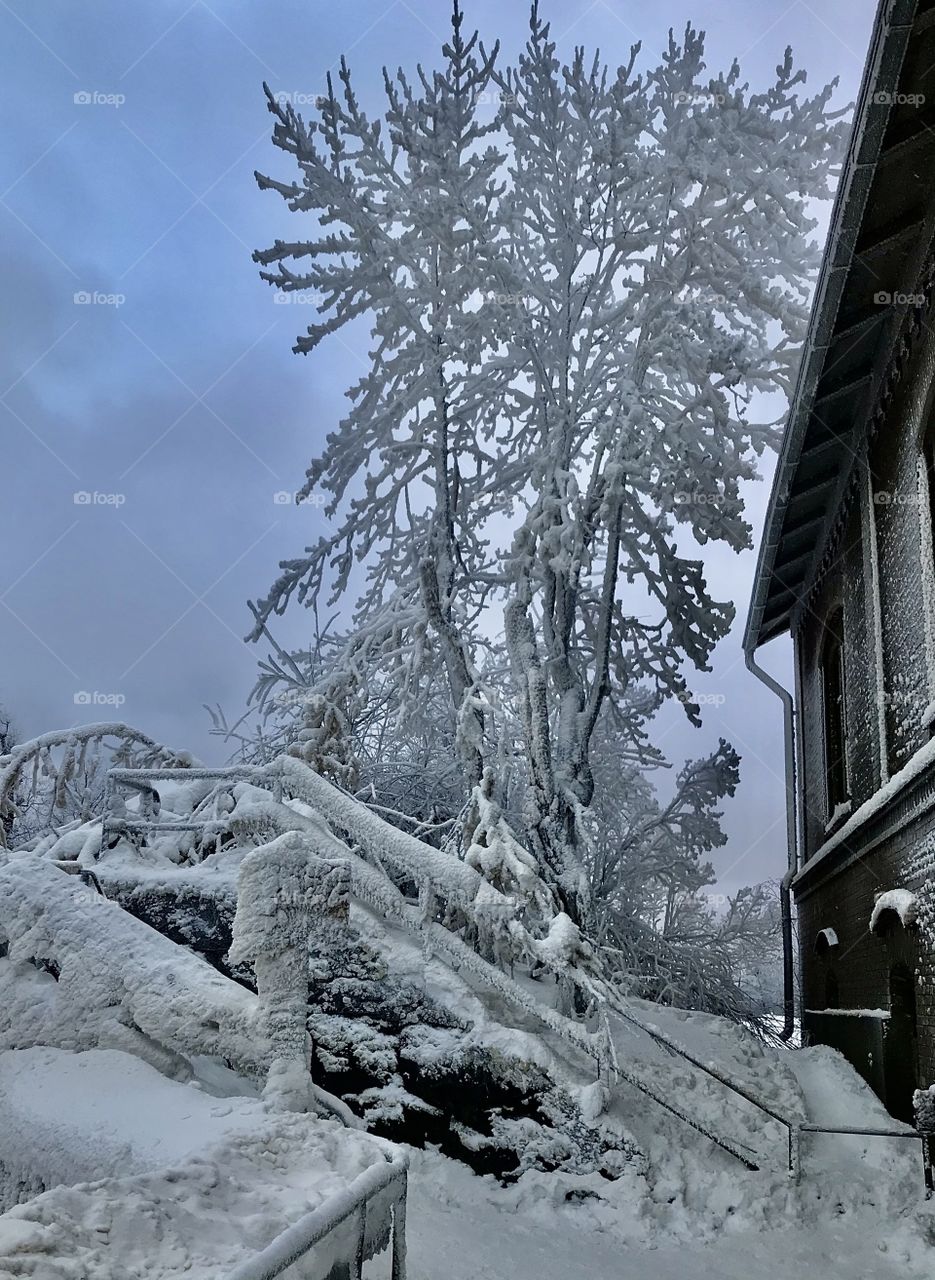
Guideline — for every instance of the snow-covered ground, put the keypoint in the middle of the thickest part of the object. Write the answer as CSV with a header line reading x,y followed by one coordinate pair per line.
x,y
195,1158
465,1228
149,1178
134,1125
858,1210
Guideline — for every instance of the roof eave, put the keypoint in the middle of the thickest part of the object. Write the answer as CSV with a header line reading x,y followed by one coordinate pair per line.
x,y
891,30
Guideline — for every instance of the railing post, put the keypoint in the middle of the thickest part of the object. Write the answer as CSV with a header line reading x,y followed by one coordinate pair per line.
x,y
105,811
795,1152
398,1271
361,1242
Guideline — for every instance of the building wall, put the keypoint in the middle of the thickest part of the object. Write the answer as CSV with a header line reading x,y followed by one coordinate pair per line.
x,y
899,513
842,898
847,585
878,572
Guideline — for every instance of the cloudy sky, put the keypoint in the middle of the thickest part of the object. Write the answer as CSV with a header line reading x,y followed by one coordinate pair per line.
x,y
145,368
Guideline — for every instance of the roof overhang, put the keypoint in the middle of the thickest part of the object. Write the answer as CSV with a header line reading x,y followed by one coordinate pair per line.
x,y
879,210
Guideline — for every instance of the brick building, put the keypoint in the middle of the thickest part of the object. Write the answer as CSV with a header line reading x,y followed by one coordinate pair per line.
x,y
846,568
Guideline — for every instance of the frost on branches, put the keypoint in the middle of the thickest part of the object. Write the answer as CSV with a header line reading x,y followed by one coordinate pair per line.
x,y
574,298
58,778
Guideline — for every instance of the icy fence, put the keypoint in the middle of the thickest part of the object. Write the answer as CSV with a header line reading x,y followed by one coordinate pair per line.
x,y
441,879
355,1224
457,910
445,886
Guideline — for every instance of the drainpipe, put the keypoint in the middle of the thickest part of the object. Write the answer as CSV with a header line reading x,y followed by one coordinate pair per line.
x,y
785,903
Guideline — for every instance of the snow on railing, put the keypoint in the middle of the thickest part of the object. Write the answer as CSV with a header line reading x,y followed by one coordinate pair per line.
x,y
379,893
281,888
438,875
140,780
708,1069
317,1239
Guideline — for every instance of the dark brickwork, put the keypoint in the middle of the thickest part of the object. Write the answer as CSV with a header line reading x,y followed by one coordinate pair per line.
x,y
887,659
894,462
861,963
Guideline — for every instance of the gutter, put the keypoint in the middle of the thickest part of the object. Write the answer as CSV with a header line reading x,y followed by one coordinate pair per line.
x,y
785,903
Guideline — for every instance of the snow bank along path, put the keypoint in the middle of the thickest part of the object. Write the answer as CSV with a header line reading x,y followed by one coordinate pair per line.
x,y
149,1177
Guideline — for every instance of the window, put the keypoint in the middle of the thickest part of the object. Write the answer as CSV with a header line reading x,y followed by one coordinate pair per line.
x,y
832,690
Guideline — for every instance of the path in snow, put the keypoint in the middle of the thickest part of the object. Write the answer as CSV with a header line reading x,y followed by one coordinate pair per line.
x,y
457,1230
854,1215
882,1174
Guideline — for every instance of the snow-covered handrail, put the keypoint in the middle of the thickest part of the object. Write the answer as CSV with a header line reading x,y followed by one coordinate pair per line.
x,y
140,779
380,1181
281,889
372,888
447,877
455,883
381,894
674,1046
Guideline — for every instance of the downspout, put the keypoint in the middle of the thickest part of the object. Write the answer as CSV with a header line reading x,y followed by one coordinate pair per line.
x,y
785,902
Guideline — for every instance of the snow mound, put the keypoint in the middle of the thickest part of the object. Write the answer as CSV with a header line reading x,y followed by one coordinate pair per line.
x,y
116,977
73,1117
901,901
204,1184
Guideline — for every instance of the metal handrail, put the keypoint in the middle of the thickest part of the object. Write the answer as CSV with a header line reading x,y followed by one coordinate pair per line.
x,y
138,779
680,1051
927,1139
794,1128
299,1239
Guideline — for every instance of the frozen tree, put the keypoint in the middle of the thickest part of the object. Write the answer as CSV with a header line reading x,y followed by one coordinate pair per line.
x,y
648,856
7,741
398,753
57,780
659,256
400,252
649,872
574,307
7,731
